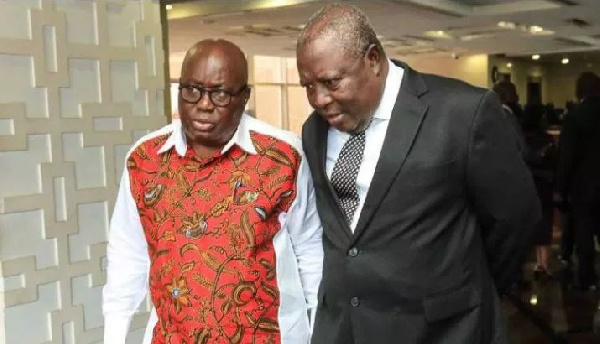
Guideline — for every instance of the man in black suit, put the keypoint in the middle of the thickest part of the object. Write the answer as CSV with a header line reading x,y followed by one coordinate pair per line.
x,y
426,204
578,173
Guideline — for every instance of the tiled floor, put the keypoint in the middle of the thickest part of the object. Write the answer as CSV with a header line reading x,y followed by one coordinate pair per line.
x,y
555,303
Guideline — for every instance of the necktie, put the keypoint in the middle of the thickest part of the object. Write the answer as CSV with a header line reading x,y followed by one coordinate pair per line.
x,y
345,171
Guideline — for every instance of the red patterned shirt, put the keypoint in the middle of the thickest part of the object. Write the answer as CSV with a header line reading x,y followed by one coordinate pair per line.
x,y
230,245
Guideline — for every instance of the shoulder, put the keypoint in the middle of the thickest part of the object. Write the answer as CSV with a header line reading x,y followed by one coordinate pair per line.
x,y
150,143
461,100
263,130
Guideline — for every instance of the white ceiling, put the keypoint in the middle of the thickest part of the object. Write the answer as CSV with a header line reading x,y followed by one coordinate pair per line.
x,y
406,27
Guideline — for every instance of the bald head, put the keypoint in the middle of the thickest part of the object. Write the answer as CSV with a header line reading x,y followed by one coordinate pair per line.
x,y
230,55
346,26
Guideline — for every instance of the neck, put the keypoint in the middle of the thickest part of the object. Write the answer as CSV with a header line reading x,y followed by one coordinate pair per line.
x,y
203,152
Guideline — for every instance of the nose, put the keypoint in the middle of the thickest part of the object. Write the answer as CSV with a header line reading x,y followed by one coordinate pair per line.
x,y
320,97
205,103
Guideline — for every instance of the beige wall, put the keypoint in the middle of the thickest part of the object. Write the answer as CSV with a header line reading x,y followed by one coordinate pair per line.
x,y
472,69
81,80
277,97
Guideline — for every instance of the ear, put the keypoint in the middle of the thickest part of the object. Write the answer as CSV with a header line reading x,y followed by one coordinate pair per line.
x,y
247,93
374,57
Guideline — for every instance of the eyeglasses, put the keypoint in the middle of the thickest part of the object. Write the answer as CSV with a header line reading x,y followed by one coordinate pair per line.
x,y
219,97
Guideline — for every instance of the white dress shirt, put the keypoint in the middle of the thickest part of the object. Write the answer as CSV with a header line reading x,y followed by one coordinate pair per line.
x,y
374,136
298,246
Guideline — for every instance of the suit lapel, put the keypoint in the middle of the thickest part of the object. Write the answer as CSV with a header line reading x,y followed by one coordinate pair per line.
x,y
407,115
322,130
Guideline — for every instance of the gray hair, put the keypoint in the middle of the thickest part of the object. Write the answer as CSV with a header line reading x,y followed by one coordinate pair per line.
x,y
345,25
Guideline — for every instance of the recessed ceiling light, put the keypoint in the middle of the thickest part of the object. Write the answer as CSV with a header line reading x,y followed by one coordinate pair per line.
x,y
564,60
509,65
536,28
169,7
438,34
507,24
533,300
535,57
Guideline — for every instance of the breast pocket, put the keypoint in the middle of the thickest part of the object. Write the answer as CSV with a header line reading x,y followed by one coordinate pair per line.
x,y
421,174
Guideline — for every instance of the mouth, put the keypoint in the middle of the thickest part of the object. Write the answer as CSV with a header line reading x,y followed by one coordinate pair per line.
x,y
334,119
200,125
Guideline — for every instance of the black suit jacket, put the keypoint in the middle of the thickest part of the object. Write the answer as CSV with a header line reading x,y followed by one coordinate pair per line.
x,y
445,222
578,171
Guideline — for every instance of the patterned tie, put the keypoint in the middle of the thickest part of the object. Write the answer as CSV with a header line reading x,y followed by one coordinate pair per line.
x,y
345,171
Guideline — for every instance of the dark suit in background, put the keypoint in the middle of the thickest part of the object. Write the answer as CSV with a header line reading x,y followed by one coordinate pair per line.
x,y
578,174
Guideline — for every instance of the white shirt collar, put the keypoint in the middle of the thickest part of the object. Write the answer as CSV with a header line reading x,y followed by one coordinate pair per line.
x,y
241,137
390,92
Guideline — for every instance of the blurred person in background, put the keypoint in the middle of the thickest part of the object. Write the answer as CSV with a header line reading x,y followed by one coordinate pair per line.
x,y
578,174
541,156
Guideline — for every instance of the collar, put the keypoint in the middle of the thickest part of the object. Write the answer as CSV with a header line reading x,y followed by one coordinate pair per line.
x,y
241,138
390,92
507,108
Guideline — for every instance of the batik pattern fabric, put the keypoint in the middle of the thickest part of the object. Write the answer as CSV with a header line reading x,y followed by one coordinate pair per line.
x,y
210,225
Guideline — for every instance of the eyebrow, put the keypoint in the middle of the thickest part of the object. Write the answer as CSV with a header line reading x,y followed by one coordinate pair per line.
x,y
194,82
329,77
333,74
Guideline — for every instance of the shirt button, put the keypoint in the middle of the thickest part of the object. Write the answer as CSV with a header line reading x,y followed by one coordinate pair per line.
x,y
354,301
353,252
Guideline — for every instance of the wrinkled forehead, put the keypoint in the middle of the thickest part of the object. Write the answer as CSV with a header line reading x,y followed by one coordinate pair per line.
x,y
322,56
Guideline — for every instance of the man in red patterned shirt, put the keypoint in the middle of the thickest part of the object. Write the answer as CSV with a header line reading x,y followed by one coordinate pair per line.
x,y
216,214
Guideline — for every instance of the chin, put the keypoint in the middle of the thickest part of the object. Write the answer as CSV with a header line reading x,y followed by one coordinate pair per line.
x,y
200,137
341,127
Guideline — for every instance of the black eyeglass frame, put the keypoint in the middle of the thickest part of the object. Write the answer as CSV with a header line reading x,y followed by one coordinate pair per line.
x,y
211,94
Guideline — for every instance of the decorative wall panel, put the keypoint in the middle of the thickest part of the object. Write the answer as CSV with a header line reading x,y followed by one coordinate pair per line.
x,y
81,81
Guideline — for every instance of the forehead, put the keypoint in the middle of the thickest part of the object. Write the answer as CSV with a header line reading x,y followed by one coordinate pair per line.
x,y
321,57
210,68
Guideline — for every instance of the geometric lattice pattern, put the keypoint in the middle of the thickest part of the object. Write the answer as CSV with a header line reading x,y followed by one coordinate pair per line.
x,y
80,82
